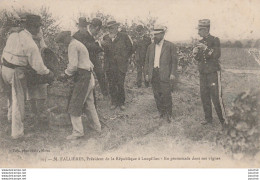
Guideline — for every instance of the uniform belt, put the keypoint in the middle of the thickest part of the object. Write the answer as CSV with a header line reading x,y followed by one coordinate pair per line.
x,y
10,65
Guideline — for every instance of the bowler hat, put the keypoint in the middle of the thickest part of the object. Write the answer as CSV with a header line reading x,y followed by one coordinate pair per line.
x,y
23,16
203,23
33,20
96,22
61,36
82,22
112,23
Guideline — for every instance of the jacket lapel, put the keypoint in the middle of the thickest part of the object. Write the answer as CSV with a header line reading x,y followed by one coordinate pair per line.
x,y
163,48
153,53
117,38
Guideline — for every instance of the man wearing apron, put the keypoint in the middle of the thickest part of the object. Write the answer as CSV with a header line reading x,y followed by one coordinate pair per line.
x,y
82,99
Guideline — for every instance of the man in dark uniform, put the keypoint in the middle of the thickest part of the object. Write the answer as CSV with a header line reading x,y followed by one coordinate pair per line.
x,y
141,45
207,53
118,49
87,32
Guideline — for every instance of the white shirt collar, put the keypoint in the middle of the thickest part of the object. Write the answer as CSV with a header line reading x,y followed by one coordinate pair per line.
x,y
26,31
89,31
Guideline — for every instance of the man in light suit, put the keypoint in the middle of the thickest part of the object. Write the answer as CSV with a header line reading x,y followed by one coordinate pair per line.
x,y
160,69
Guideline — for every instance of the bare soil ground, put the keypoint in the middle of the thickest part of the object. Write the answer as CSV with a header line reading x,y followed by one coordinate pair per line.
x,y
135,132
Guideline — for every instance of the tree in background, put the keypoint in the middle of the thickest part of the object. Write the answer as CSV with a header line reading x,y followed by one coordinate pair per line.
x,y
248,44
237,44
12,18
227,44
257,44
8,20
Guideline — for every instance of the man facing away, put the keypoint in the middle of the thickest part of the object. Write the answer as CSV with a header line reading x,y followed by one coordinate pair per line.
x,y
36,94
160,69
207,53
85,34
20,51
79,67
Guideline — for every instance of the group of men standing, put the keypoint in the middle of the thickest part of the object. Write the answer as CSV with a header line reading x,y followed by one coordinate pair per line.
x,y
156,64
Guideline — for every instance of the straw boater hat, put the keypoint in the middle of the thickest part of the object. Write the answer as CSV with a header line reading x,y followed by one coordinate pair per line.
x,y
158,29
112,24
203,23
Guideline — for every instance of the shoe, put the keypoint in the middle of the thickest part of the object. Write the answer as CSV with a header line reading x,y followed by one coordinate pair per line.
x,y
206,122
122,108
73,137
169,119
112,107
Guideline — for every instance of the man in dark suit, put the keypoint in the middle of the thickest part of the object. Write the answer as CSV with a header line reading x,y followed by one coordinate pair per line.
x,y
141,45
207,53
118,49
160,69
87,32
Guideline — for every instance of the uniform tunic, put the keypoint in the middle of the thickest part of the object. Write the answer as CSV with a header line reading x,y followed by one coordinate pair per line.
x,y
210,78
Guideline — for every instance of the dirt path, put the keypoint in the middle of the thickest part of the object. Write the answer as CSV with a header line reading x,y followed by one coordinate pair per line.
x,y
135,132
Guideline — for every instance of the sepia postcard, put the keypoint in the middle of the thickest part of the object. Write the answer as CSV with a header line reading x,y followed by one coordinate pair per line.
x,y
130,84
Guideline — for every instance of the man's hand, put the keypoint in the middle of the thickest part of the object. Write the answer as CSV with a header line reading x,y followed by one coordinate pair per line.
x,y
202,46
50,77
172,77
104,43
195,51
63,78
147,78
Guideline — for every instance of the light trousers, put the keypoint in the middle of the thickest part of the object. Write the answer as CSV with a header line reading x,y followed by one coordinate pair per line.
x,y
16,88
90,111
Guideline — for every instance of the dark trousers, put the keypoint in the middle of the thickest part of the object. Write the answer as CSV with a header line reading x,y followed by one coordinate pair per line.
x,y
100,77
116,80
210,91
141,74
162,94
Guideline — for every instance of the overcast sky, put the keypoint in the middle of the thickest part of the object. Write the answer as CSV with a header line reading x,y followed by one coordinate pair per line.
x,y
230,19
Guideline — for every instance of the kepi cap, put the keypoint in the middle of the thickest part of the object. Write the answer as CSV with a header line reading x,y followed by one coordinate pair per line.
x,y
112,23
203,23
